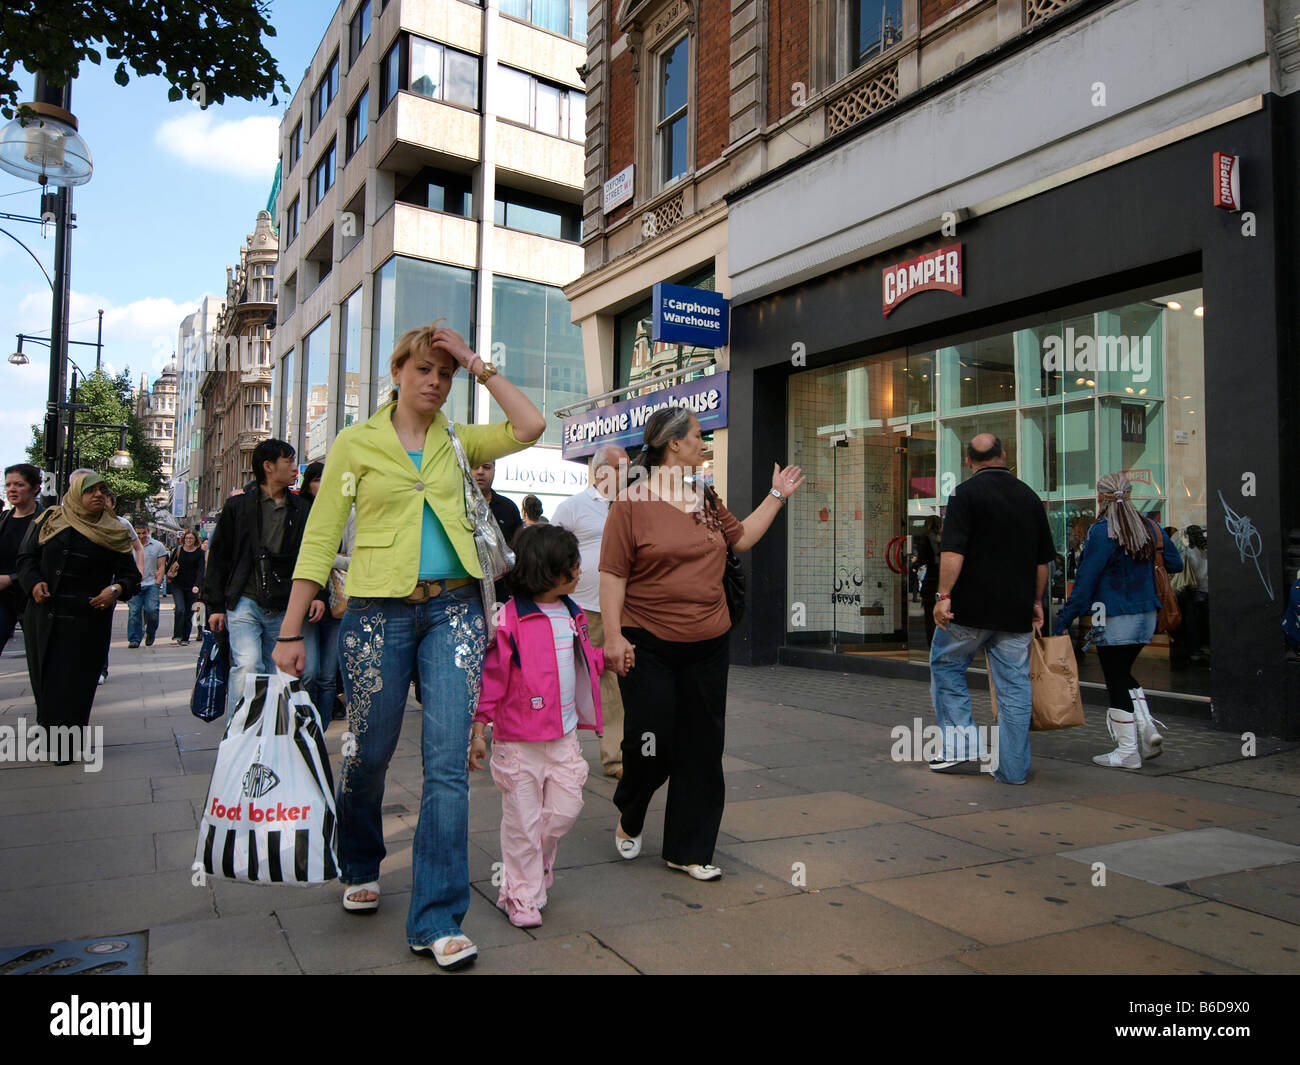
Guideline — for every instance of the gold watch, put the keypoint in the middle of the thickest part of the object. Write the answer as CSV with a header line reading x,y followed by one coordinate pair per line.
x,y
487,372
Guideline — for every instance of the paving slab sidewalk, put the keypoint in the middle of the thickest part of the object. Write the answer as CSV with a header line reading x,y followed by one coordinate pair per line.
x,y
836,857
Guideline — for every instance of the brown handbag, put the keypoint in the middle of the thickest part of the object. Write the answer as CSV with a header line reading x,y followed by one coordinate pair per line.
x,y
1170,617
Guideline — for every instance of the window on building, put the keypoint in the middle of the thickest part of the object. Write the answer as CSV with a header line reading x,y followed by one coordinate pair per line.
x,y
288,417
295,146
349,380
326,89
875,26
358,32
410,292
322,177
316,361
291,222
565,17
541,105
537,347
440,190
538,214
391,74
358,122
672,128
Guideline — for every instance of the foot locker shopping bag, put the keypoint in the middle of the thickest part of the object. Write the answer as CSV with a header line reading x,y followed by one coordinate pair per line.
x,y
269,815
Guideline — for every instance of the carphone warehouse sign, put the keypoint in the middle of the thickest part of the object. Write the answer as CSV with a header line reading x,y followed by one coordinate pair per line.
x,y
692,316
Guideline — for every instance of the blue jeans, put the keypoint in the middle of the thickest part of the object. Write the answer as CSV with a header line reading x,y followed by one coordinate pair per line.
x,y
327,682
143,606
252,642
951,653
380,642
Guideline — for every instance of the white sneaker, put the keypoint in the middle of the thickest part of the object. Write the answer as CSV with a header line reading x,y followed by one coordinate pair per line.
x,y
1124,731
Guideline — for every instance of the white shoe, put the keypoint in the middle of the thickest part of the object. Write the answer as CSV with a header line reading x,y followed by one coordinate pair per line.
x,y
1123,731
627,848
700,872
1150,742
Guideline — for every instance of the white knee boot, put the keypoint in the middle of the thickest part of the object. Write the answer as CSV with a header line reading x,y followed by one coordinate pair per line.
x,y
1150,742
1123,730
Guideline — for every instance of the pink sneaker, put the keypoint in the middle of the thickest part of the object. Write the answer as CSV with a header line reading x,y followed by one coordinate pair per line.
x,y
525,918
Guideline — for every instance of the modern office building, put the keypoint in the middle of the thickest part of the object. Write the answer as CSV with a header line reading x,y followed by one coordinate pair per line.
x,y
235,386
936,218
194,338
431,167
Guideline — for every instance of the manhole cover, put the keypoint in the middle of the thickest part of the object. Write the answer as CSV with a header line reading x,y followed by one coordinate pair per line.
x,y
116,955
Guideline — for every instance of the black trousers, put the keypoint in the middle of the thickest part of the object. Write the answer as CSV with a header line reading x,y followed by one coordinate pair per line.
x,y
674,710
1117,668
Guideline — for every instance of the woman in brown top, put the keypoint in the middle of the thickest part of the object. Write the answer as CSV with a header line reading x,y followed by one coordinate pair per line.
x,y
666,624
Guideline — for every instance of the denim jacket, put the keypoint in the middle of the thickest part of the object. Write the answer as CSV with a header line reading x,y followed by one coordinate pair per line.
x,y
1109,575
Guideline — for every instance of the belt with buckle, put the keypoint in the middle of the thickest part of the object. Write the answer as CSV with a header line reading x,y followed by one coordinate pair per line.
x,y
426,590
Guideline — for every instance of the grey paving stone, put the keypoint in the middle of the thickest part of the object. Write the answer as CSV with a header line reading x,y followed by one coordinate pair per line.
x,y
796,815
1274,891
837,931
1101,950
1186,856
1045,829
83,791
233,946
831,859
75,861
1241,938
57,826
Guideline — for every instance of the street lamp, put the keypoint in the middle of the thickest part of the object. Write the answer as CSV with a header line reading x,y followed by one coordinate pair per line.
x,y
42,145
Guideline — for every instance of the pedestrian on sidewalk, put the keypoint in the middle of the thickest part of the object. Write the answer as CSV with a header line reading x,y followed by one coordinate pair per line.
x,y
22,491
1117,573
188,564
250,569
584,515
541,683
76,565
994,561
142,616
137,552
414,595
324,693
662,561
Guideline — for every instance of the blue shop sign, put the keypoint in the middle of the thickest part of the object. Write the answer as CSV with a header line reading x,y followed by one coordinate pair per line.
x,y
692,316
624,423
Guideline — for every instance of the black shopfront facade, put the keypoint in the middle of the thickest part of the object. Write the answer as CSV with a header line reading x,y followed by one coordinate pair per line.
x,y
1184,320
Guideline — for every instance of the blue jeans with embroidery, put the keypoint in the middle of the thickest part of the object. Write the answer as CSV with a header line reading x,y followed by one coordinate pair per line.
x,y
951,653
380,642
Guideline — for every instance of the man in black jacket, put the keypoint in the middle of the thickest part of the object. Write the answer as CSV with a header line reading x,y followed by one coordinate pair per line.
x,y
250,568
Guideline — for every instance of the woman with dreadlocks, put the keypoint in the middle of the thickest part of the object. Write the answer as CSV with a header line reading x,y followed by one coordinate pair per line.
x,y
1117,571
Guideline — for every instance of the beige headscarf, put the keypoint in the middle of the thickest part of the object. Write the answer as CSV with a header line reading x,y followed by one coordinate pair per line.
x,y
103,528
1126,524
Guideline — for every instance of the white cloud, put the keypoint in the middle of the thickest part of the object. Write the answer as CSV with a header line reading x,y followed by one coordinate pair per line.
x,y
246,148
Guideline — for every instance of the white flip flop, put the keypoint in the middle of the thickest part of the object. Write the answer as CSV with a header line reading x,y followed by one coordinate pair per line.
x,y
457,960
352,906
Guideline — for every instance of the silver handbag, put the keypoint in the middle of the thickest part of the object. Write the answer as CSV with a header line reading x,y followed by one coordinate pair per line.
x,y
494,554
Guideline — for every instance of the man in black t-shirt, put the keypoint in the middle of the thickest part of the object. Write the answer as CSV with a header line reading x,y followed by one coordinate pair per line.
x,y
503,509
993,567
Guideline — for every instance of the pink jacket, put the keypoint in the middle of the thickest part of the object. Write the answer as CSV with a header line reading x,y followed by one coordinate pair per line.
x,y
520,695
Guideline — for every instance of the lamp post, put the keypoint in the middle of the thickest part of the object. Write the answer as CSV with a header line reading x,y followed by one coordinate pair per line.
x,y
42,144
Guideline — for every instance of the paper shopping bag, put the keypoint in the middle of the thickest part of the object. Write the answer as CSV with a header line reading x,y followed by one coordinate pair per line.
x,y
1054,683
269,814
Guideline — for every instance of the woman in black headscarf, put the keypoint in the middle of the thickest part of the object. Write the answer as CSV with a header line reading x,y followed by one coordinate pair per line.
x,y
76,565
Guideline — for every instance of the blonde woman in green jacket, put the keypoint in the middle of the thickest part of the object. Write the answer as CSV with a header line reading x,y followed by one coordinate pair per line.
x,y
413,597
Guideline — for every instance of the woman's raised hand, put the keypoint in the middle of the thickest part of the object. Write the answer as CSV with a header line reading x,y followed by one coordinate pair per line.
x,y
787,480
454,345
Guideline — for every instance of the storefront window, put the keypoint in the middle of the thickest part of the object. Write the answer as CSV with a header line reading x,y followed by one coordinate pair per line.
x,y
537,347
1115,387
410,293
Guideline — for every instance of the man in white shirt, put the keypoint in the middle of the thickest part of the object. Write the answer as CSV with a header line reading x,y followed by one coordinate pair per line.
x,y
584,515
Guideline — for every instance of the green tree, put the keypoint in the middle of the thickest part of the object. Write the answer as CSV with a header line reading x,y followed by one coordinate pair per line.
x,y
109,400
206,50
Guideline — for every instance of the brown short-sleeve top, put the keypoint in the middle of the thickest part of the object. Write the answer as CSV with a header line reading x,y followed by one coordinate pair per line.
x,y
673,563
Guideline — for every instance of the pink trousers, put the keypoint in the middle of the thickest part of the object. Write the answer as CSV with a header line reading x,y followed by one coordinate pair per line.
x,y
541,798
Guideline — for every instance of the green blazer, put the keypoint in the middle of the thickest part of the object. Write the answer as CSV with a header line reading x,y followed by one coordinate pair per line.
x,y
367,466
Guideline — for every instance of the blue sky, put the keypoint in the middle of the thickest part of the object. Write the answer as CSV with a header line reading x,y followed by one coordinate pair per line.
x,y
174,193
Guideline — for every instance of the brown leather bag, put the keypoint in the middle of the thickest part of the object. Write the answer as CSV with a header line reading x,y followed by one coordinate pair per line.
x,y
1170,617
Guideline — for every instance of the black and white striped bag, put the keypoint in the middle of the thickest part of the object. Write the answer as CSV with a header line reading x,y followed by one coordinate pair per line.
x,y
269,815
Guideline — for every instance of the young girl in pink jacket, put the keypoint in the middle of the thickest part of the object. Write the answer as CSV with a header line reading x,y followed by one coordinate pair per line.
x,y
541,683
